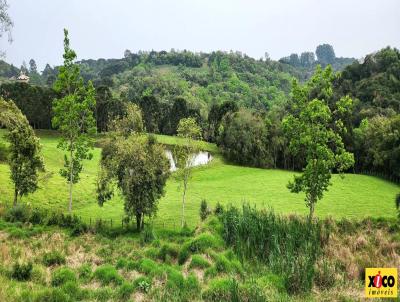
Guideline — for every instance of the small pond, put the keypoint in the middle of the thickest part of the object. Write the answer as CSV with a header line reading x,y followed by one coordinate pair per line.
x,y
200,158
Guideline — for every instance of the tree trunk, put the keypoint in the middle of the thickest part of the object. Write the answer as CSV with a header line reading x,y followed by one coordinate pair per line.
x,y
312,207
139,221
15,197
71,175
183,204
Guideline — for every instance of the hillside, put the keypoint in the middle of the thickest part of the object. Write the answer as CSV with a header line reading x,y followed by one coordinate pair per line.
x,y
200,78
216,182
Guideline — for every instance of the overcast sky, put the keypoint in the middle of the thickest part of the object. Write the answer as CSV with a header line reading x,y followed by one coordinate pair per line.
x,y
104,28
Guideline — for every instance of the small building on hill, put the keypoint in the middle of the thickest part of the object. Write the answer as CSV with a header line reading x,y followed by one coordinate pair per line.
x,y
23,78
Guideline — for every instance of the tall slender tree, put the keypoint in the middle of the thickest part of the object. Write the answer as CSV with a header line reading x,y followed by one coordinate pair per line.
x,y
73,117
185,153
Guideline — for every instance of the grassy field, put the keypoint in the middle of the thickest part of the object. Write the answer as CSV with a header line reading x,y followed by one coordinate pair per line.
x,y
355,196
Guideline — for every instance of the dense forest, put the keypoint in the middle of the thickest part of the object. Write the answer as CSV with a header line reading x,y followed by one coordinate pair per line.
x,y
234,97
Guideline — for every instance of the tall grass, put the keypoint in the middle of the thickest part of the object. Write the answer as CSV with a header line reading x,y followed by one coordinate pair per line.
x,y
289,246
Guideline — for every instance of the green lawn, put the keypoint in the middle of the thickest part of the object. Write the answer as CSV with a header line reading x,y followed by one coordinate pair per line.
x,y
355,196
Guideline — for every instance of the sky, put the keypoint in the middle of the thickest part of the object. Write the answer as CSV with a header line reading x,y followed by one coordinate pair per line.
x,y
104,28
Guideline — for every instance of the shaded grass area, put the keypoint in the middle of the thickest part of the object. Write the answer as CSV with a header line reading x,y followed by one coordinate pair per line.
x,y
355,196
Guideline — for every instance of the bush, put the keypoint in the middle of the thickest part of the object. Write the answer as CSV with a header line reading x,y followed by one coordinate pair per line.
x,y
107,274
199,262
219,209
61,276
18,213
79,228
53,258
204,210
37,216
22,272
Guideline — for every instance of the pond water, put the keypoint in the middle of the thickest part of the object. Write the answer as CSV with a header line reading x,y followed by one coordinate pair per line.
x,y
200,158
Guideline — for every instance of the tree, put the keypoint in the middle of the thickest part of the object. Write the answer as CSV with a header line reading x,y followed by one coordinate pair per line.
x,y
151,110
5,23
307,59
243,138
137,164
24,159
107,107
73,116
313,132
294,59
190,132
33,73
217,112
325,54
32,66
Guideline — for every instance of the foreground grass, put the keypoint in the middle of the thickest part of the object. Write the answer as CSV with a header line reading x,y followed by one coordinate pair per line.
x,y
355,196
179,266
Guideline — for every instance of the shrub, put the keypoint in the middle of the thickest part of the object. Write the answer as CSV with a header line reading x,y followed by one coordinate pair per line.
x,y
219,209
18,213
79,228
37,216
107,274
61,276
204,210
21,271
53,258
143,284
199,262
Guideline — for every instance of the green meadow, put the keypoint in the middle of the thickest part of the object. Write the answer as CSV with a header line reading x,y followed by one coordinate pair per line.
x,y
354,196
